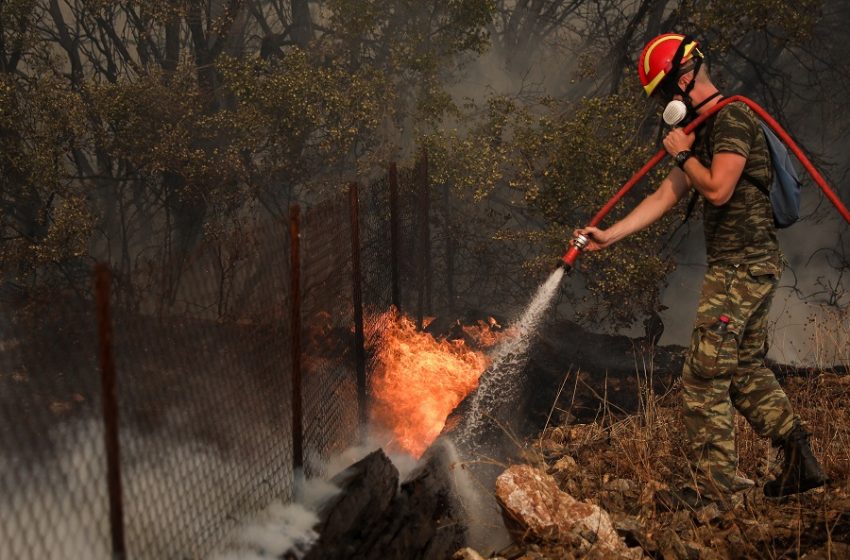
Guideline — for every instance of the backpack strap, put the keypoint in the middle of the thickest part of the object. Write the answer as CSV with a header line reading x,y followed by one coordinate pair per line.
x,y
761,185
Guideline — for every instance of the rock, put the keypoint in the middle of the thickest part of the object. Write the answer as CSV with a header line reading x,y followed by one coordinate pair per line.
x,y
709,513
634,534
565,464
611,501
620,485
552,448
696,550
540,511
647,494
427,521
554,433
585,433
467,554
375,519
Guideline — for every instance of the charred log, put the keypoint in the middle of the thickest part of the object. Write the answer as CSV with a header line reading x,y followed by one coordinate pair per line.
x,y
373,518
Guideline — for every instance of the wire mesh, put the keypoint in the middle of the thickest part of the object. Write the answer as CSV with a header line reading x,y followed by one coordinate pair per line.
x,y
52,465
203,395
329,376
376,246
478,255
412,219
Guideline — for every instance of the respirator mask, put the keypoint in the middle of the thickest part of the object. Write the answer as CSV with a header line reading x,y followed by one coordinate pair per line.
x,y
680,113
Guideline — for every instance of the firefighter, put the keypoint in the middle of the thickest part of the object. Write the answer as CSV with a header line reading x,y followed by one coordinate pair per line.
x,y
725,366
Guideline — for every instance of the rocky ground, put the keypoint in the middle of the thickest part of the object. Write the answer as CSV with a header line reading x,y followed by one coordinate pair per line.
x,y
591,489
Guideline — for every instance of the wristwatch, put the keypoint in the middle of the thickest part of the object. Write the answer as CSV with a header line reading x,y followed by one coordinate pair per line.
x,y
682,157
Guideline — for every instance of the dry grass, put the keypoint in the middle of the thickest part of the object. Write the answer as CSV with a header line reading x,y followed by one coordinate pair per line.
x,y
622,459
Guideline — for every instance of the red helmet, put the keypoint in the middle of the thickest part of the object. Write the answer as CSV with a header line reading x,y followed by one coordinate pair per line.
x,y
656,60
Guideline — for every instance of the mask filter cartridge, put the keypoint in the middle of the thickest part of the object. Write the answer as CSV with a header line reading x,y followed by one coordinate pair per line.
x,y
675,112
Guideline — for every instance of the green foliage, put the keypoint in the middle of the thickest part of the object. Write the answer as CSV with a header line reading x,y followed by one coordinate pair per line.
x,y
17,32
566,160
412,34
416,45
301,119
44,216
111,136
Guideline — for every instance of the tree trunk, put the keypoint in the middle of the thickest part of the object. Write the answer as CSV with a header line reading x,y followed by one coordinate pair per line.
x,y
302,24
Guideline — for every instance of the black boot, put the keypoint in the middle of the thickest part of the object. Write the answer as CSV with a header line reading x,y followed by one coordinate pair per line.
x,y
800,470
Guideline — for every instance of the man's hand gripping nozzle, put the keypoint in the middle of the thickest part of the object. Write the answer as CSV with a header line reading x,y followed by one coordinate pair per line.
x,y
577,245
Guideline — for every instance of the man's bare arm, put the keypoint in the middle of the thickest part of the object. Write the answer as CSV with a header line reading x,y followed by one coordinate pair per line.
x,y
669,192
717,183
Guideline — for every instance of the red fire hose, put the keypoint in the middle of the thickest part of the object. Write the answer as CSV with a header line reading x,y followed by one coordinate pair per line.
x,y
576,247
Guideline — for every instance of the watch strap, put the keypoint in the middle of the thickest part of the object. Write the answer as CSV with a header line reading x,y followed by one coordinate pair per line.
x,y
682,157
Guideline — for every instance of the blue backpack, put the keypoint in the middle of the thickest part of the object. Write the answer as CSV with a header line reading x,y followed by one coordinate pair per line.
x,y
784,191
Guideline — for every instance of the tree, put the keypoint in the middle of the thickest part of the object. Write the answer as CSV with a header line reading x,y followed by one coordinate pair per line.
x,y
138,131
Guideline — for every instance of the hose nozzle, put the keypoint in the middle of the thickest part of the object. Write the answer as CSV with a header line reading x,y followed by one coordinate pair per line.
x,y
578,244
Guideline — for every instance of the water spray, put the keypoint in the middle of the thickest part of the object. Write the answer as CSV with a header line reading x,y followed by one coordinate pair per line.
x,y
579,242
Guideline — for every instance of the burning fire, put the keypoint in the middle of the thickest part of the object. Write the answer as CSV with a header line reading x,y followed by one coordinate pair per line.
x,y
418,381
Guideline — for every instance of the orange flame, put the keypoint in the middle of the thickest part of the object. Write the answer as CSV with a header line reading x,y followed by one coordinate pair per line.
x,y
417,381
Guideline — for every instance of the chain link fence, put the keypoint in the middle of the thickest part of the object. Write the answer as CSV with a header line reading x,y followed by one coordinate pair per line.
x,y
327,334
52,504
204,394
239,358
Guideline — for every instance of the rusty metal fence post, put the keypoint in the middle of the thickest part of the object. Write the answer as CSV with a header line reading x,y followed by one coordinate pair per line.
x,y
295,344
102,290
393,180
357,300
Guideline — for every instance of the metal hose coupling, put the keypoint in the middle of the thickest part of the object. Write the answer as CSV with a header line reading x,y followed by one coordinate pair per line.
x,y
578,244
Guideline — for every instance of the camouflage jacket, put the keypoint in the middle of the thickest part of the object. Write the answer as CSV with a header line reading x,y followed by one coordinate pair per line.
x,y
742,230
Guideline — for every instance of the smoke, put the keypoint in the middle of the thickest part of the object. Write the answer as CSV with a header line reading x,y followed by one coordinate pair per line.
x,y
54,503
376,438
281,528
59,508
290,527
175,495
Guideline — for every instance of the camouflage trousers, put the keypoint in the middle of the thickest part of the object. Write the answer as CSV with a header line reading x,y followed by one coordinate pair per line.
x,y
725,369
